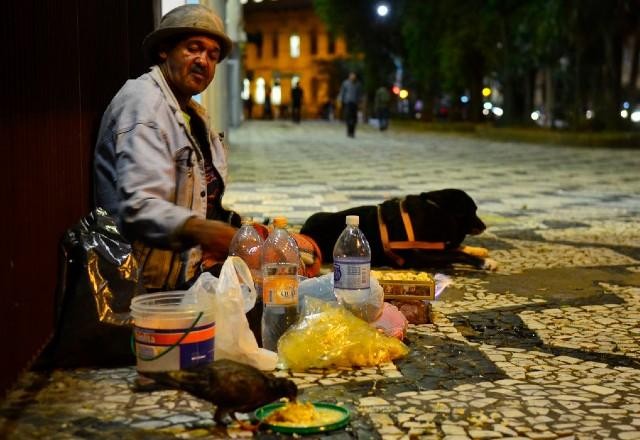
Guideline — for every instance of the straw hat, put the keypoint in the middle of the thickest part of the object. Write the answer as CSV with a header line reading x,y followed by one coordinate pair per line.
x,y
188,19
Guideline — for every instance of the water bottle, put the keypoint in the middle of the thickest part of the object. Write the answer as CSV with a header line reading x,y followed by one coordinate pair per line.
x,y
280,260
351,267
247,244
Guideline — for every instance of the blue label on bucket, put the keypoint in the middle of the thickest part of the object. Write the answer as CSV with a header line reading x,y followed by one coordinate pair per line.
x,y
197,353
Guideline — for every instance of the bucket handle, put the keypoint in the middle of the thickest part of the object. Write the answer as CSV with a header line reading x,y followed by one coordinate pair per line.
x,y
171,347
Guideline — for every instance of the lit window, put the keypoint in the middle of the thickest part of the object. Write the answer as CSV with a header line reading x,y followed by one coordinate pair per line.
x,y
294,46
276,94
246,89
260,91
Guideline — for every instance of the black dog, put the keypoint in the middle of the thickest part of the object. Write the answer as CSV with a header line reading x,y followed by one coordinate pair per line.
x,y
442,218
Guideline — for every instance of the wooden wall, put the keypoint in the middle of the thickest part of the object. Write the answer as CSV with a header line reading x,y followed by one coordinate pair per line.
x,y
62,61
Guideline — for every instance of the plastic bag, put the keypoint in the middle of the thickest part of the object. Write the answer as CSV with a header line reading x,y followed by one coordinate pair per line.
x,y
98,278
392,322
235,294
322,288
328,335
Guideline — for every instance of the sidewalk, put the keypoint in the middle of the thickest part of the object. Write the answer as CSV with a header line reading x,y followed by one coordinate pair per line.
x,y
545,347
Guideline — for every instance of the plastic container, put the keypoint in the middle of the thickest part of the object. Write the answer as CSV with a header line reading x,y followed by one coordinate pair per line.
x,y
173,330
247,244
351,268
280,262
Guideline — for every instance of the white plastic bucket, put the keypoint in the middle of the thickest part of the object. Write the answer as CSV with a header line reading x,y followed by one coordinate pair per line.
x,y
173,330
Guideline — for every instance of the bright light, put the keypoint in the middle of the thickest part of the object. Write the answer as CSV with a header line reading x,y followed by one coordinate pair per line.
x,y
403,94
464,99
497,111
260,91
485,112
624,114
486,91
589,114
395,90
246,89
276,95
382,10
487,105
625,105
294,46
535,115
635,116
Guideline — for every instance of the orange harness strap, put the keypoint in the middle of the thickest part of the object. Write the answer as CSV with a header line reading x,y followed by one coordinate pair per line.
x,y
410,243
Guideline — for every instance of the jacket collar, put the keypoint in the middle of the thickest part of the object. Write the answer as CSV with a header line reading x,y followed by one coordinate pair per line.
x,y
157,75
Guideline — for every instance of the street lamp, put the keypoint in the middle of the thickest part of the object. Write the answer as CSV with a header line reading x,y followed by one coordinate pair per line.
x,y
382,9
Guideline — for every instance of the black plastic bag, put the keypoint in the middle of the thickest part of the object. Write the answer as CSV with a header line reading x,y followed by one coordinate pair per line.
x,y
98,278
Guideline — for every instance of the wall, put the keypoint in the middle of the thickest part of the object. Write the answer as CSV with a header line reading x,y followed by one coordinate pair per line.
x,y
62,63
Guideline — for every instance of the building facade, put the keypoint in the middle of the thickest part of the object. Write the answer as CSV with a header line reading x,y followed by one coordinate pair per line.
x,y
286,42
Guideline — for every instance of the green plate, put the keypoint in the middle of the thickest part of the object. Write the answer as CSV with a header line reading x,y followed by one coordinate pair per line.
x,y
263,412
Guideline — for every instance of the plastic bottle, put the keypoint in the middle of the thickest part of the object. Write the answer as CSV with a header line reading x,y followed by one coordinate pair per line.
x,y
280,260
351,268
247,244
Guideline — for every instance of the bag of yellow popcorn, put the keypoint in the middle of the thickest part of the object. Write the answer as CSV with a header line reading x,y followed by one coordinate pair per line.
x,y
328,335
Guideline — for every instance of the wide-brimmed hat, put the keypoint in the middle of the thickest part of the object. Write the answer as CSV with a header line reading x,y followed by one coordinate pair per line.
x,y
188,19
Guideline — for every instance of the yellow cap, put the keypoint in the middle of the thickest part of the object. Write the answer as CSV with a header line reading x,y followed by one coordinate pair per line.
x,y
280,222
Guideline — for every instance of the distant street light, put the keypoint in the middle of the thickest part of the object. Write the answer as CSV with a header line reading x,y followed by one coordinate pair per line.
x,y
382,9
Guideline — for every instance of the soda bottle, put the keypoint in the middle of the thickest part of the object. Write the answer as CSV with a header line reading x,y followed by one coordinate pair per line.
x,y
351,267
247,244
280,260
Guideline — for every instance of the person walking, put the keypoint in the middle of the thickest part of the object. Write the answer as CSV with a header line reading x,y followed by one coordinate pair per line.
x,y
296,102
266,108
160,169
350,96
381,107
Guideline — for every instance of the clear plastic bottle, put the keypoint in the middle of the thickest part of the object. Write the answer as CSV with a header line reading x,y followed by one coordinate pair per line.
x,y
351,268
280,260
247,244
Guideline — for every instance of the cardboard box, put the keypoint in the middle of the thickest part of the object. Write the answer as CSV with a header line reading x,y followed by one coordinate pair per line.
x,y
406,285
410,291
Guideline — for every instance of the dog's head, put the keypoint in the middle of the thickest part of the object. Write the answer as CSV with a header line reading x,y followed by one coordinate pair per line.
x,y
459,205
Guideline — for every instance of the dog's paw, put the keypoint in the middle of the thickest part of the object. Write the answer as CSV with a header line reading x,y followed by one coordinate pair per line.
x,y
489,264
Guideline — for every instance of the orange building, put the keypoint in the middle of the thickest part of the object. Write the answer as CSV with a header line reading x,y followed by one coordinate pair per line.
x,y
287,42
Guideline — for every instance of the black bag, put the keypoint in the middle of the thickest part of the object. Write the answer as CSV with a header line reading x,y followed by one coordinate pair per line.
x,y
98,278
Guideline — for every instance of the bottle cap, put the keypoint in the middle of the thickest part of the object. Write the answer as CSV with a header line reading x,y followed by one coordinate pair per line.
x,y
353,220
247,220
280,222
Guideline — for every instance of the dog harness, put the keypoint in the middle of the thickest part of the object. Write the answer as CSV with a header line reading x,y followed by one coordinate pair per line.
x,y
411,243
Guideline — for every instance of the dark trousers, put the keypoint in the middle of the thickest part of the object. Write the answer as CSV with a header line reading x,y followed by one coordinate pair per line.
x,y
351,117
383,119
295,113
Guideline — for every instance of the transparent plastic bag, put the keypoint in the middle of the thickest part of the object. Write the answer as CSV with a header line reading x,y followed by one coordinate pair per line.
x,y
235,295
327,335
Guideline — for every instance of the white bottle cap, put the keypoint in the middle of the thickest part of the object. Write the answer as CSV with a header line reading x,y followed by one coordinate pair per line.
x,y
353,220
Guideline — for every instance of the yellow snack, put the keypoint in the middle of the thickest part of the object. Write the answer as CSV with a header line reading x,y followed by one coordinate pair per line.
x,y
297,414
330,336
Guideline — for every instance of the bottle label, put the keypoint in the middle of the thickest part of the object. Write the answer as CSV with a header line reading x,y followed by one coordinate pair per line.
x,y
351,275
280,290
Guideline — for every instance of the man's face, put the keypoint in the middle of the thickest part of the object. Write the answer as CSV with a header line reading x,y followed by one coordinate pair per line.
x,y
190,65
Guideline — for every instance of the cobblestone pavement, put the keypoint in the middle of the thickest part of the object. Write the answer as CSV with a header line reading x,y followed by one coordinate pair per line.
x,y
547,346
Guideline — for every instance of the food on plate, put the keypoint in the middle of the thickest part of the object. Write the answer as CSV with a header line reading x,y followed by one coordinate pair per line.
x,y
298,414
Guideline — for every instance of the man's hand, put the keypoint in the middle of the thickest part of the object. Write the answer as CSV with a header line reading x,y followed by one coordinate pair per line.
x,y
214,237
